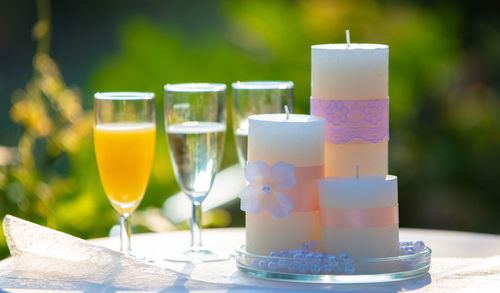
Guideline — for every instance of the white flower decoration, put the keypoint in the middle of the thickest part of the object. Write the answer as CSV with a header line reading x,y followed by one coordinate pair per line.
x,y
264,191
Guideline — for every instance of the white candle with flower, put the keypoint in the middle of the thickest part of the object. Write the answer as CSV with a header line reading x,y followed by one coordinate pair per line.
x,y
285,161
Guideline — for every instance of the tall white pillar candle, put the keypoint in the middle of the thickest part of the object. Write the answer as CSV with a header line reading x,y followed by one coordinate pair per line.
x,y
349,87
359,216
298,141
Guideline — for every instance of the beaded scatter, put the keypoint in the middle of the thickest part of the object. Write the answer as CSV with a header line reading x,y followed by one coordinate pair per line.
x,y
309,260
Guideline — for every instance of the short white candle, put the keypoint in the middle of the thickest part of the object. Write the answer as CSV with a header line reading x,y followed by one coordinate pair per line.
x,y
298,140
351,72
363,210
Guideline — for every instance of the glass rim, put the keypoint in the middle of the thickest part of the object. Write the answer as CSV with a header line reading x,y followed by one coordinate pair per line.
x,y
388,269
263,85
195,87
124,96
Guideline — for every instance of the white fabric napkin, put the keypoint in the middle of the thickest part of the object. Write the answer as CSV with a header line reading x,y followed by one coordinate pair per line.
x,y
42,253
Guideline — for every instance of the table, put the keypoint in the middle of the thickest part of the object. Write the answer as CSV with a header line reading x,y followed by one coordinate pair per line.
x,y
461,261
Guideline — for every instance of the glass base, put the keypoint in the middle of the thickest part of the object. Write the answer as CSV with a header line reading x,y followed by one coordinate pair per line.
x,y
137,256
368,270
199,255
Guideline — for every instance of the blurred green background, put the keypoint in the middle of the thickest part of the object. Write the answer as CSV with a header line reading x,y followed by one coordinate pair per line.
x,y
444,88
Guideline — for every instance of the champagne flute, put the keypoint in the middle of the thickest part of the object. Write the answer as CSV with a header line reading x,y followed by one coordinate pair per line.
x,y
257,97
195,124
124,140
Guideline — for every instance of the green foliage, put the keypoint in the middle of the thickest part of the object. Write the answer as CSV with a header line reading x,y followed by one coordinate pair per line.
x,y
36,180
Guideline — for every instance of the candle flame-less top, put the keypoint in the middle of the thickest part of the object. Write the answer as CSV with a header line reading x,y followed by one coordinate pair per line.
x,y
357,71
298,140
365,192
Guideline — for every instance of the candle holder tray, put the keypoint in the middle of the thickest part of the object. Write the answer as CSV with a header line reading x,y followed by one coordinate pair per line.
x,y
350,271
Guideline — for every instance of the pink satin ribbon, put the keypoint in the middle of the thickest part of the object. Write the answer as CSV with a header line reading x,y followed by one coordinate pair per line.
x,y
362,218
304,194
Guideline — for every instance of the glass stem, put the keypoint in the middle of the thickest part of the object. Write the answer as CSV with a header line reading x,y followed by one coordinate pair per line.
x,y
196,226
125,233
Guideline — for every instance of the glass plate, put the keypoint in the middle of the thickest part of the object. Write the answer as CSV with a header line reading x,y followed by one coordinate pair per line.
x,y
368,270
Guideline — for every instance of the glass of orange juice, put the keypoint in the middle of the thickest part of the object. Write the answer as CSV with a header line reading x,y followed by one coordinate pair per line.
x,y
124,140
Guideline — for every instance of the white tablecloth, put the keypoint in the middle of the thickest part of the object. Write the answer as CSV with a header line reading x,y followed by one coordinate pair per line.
x,y
461,262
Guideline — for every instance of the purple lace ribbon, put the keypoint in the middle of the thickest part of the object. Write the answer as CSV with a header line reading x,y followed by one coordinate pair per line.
x,y
353,121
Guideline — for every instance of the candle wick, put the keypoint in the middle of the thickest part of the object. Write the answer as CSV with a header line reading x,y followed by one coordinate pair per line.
x,y
357,171
287,112
348,38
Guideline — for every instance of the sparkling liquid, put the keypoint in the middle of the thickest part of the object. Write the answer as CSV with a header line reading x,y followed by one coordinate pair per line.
x,y
196,149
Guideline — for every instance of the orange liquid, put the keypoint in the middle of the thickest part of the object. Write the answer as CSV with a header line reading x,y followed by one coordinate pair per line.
x,y
124,153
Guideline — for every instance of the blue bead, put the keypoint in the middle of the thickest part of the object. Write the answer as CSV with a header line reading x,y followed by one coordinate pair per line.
x,y
255,263
298,256
284,252
266,189
406,243
292,268
282,263
309,258
313,245
318,258
331,257
273,253
404,252
315,269
419,246
332,260
343,258
303,268
272,265
349,269
326,269
262,264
